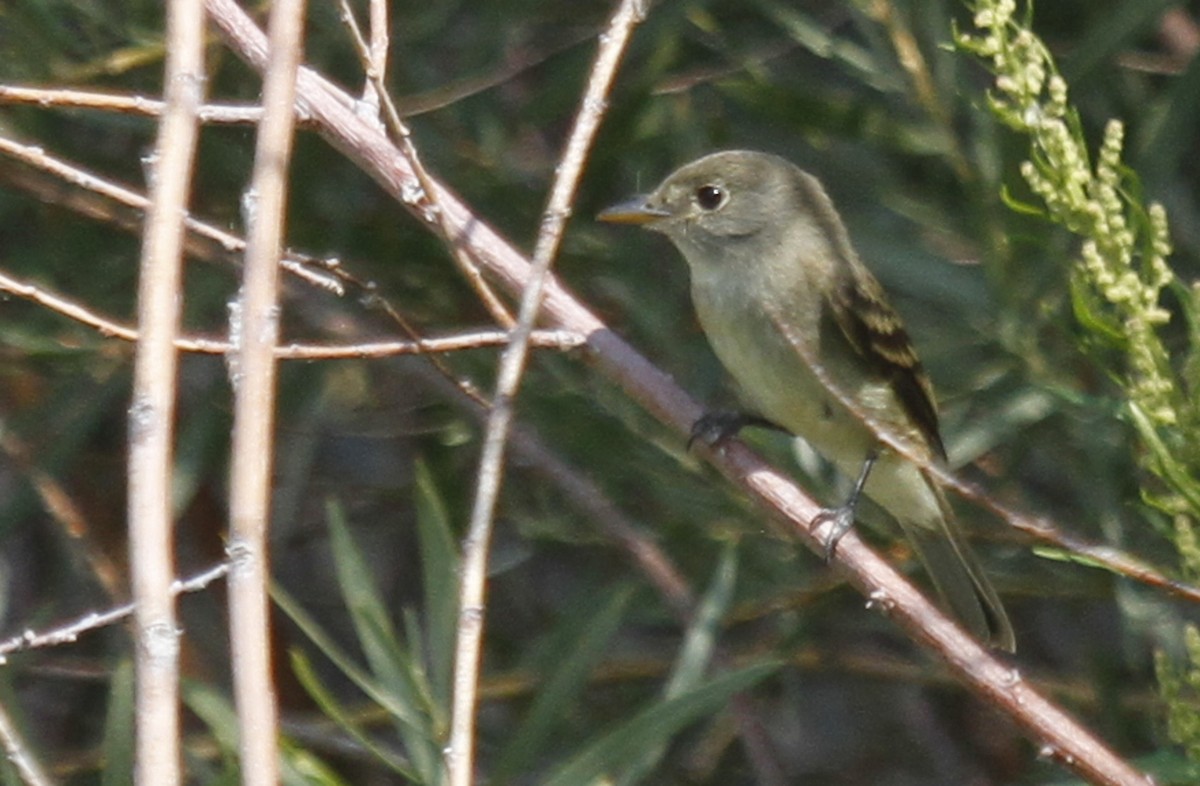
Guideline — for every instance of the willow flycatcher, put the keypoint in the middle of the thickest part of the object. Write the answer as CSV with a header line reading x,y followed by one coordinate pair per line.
x,y
807,332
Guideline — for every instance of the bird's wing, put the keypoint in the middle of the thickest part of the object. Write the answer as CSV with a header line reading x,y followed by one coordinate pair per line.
x,y
873,329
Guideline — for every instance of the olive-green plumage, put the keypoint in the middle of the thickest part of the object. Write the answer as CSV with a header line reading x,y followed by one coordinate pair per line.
x,y
807,332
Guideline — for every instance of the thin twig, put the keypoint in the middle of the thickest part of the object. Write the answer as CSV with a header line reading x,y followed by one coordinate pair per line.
x,y
35,156
70,632
421,196
17,752
378,54
255,329
425,197
220,114
458,342
472,592
413,105
152,411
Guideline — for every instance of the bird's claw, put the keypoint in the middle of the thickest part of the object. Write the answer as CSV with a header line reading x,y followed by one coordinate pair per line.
x,y
842,517
842,520
716,428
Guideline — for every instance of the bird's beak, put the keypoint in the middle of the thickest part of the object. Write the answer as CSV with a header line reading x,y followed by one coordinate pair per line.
x,y
633,211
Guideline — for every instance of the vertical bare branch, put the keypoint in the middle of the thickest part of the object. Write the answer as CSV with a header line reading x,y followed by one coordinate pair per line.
x,y
255,329
460,751
377,52
152,410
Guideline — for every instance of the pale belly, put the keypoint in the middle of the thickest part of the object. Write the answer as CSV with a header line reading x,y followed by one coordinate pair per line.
x,y
779,385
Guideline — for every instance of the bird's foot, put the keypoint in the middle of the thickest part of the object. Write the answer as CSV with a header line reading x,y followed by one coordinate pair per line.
x,y
842,517
718,427
842,520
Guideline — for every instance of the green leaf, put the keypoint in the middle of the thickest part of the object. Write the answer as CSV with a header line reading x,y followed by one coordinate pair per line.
x,y
1166,466
654,726
1090,314
217,713
118,723
397,669
1020,206
330,706
439,572
299,767
325,644
700,639
581,645
696,653
816,38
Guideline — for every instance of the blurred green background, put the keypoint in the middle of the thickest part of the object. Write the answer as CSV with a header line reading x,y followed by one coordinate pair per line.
x,y
376,459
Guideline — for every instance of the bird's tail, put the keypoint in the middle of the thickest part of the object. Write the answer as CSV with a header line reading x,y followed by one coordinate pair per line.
x,y
959,578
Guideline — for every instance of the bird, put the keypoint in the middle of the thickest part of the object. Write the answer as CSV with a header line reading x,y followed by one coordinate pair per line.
x,y
807,332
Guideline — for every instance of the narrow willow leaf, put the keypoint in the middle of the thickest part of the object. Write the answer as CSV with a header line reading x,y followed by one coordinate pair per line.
x,y
581,650
655,726
332,708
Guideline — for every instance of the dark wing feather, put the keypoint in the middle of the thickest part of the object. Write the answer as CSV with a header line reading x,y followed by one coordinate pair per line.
x,y
860,310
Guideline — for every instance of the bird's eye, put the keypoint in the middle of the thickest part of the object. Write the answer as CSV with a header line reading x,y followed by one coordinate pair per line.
x,y
710,197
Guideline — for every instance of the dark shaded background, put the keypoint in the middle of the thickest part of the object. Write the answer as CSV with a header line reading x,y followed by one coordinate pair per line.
x,y
1026,409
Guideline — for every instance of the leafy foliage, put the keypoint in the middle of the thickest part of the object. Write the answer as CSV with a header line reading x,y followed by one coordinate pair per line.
x,y
1117,284
1065,365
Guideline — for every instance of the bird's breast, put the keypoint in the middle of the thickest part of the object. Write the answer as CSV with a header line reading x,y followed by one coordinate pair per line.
x,y
771,371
